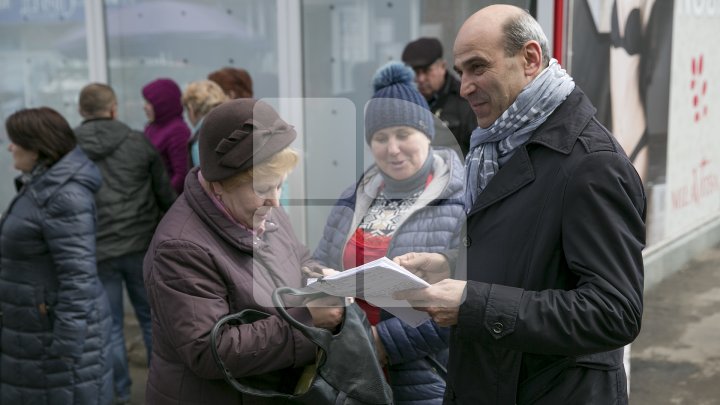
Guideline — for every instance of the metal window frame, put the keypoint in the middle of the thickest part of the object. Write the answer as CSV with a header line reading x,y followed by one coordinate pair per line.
x,y
96,41
290,94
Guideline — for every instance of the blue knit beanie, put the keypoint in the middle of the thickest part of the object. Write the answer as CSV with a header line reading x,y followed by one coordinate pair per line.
x,y
397,102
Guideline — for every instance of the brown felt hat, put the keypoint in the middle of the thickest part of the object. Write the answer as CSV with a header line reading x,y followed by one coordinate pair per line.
x,y
239,134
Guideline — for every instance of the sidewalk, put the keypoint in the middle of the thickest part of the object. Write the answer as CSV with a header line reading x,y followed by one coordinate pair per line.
x,y
676,358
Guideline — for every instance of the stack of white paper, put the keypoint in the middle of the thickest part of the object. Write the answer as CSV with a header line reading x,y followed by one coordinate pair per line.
x,y
375,282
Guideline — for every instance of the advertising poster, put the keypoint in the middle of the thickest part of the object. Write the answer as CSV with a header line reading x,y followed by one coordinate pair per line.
x,y
620,55
693,159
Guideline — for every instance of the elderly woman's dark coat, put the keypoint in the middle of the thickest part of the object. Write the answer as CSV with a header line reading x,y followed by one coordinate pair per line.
x,y
200,267
55,317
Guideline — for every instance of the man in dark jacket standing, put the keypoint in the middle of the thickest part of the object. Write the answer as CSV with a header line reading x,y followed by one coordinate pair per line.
x,y
441,89
555,231
135,192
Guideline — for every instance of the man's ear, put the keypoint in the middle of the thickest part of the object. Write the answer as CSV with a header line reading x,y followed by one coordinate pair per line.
x,y
532,58
114,110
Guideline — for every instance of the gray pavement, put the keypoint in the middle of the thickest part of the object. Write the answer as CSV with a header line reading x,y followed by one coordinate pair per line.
x,y
675,360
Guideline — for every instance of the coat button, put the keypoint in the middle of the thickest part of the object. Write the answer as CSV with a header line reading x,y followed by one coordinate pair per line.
x,y
467,241
497,328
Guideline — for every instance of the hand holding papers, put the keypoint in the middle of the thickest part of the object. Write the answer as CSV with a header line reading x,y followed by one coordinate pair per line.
x,y
376,282
441,300
431,267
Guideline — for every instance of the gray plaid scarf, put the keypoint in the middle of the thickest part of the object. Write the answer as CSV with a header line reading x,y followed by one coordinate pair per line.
x,y
493,146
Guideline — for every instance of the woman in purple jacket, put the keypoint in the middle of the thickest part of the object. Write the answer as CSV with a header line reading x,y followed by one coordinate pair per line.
x,y
166,127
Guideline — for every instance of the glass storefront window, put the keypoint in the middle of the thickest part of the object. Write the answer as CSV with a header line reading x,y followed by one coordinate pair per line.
x,y
184,41
44,63
344,42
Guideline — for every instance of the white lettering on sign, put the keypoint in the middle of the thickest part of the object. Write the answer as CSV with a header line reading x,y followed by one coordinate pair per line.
x,y
64,8
704,183
701,8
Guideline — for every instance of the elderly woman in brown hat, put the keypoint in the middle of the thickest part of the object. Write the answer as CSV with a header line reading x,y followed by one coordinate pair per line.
x,y
223,247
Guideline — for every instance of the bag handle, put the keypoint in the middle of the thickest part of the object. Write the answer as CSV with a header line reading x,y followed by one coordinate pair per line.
x,y
319,336
244,316
324,388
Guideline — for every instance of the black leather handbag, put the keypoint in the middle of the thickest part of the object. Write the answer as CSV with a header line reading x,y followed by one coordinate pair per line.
x,y
346,370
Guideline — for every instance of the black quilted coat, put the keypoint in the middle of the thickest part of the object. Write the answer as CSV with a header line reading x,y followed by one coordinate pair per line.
x,y
55,315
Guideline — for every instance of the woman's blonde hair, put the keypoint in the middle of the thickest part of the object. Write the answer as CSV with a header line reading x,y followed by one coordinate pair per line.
x,y
203,96
278,165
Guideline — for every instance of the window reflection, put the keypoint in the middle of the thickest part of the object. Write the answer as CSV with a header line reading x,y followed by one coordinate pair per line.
x,y
44,62
344,42
185,41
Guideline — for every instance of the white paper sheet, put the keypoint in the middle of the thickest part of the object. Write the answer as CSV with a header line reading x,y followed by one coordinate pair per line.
x,y
375,282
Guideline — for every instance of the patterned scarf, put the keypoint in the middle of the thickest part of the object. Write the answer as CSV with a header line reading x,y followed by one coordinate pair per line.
x,y
493,146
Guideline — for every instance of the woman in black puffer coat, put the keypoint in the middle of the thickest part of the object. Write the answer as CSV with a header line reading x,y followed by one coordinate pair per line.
x,y
55,318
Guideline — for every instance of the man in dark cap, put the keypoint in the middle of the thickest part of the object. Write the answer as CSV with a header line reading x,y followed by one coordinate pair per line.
x,y
441,89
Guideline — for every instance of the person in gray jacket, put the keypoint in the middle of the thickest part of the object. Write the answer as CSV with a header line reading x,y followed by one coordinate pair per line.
x,y
409,201
135,192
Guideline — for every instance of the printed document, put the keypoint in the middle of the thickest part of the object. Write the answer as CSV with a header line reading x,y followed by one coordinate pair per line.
x,y
375,282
